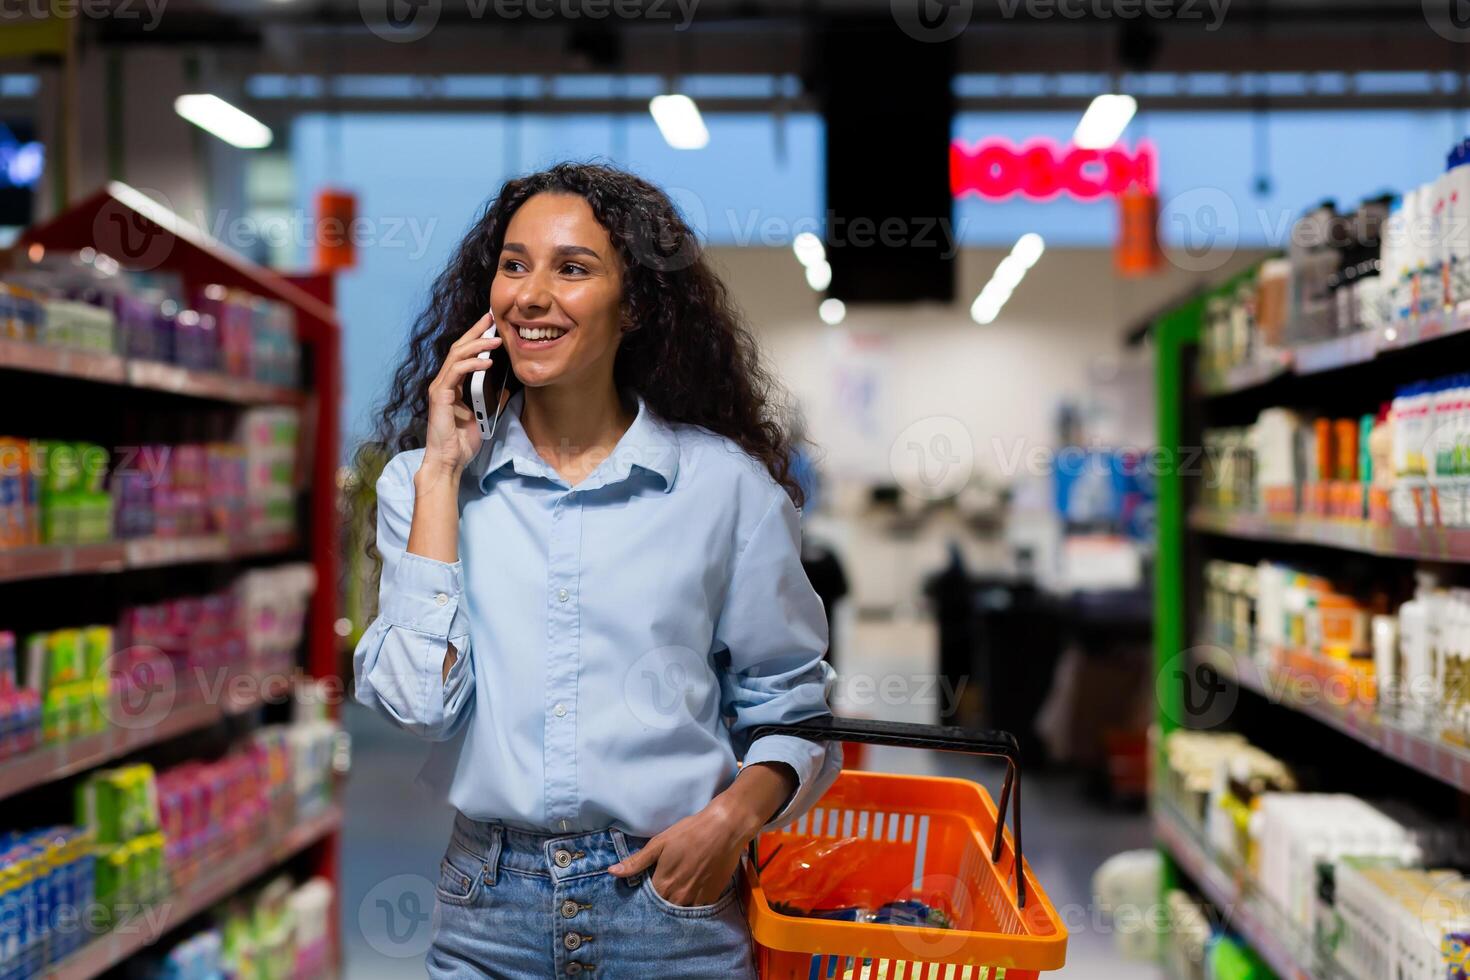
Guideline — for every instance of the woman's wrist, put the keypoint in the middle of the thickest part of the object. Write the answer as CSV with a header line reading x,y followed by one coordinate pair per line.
x,y
755,797
435,475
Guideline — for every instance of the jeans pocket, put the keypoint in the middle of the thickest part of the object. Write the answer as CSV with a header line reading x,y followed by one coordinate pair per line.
x,y
690,911
459,876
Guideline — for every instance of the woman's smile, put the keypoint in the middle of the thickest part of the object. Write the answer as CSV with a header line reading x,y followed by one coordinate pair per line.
x,y
535,335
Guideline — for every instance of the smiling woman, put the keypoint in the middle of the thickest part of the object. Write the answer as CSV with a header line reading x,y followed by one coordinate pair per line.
x,y
592,610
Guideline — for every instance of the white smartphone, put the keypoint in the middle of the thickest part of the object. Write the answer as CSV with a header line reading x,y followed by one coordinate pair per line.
x,y
477,392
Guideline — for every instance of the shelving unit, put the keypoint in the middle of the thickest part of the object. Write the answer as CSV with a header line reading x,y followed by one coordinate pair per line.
x,y
174,246
117,556
18,355
1421,544
1335,354
1187,536
1420,750
1232,892
59,760
221,881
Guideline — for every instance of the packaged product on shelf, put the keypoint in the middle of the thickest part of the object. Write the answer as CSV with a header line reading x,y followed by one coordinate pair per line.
x,y
20,707
278,932
1295,832
1394,921
118,804
1187,938
1313,261
270,436
21,316
120,809
195,958
272,605
46,883
16,521
65,670
85,300
310,907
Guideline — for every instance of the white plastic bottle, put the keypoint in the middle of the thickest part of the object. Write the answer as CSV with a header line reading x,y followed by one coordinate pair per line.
x,y
1457,227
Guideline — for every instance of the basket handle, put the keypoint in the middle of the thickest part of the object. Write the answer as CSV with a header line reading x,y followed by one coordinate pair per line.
x,y
947,738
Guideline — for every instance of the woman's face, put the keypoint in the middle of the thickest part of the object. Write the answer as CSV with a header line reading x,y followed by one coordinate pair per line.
x,y
557,293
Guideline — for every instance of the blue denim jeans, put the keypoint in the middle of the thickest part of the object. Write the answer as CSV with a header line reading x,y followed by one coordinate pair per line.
x,y
518,905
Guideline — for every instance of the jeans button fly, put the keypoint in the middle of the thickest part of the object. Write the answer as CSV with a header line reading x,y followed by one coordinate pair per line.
x,y
562,857
568,909
572,941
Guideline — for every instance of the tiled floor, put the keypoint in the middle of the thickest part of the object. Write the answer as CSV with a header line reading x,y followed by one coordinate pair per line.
x,y
395,834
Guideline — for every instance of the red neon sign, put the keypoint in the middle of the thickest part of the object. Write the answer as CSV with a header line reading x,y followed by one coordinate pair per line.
x,y
1040,169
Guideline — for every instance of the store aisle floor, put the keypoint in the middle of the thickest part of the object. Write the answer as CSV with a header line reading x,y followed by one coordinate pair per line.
x,y
395,833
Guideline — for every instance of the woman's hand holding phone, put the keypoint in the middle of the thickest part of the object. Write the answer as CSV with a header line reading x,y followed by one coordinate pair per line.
x,y
453,438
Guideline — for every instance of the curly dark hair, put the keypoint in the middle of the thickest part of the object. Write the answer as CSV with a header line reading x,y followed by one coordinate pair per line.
x,y
690,355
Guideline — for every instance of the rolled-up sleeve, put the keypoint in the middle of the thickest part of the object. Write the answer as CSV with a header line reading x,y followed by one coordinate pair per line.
x,y
774,628
399,662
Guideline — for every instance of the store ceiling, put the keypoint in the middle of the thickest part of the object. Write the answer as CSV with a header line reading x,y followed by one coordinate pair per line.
x,y
674,37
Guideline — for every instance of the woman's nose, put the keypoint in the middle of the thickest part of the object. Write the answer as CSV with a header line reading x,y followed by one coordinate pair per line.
x,y
533,294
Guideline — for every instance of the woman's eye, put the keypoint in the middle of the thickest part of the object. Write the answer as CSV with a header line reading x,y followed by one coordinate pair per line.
x,y
574,269
510,265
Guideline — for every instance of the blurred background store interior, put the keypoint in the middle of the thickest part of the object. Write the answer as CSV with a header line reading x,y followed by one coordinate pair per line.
x,y
1123,338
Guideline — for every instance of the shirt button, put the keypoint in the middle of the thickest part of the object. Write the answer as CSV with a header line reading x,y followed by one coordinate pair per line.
x,y
572,941
562,595
562,857
568,909
561,710
441,599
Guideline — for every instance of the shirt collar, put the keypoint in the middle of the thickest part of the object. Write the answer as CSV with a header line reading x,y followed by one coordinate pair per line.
x,y
649,443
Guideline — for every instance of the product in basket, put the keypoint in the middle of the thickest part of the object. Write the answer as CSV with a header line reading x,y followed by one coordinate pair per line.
x,y
829,878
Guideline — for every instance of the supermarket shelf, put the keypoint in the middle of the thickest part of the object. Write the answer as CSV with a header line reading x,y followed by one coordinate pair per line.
x,y
1245,376
1232,895
1422,543
223,880
57,761
19,355
1338,353
1423,751
49,561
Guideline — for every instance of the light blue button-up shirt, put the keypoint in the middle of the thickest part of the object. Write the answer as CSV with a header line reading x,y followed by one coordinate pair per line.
x,y
617,640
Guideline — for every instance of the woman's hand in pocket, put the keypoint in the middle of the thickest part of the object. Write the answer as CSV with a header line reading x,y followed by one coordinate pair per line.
x,y
693,860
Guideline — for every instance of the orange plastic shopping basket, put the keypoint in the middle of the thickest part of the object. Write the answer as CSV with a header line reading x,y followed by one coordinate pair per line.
x,y
935,835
